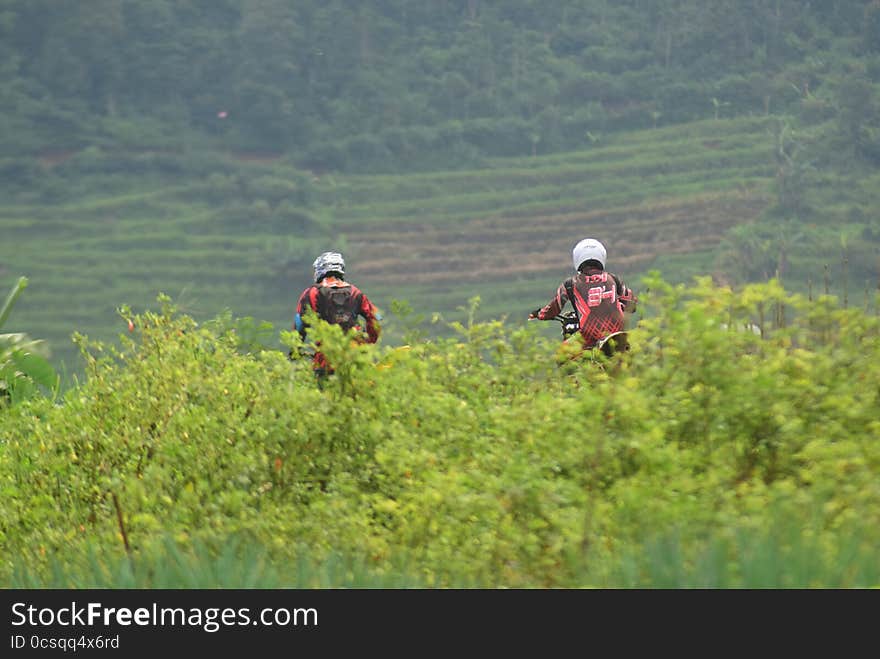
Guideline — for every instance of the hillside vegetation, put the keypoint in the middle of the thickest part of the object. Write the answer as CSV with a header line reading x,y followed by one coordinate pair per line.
x,y
698,199
391,86
170,168
208,151
706,457
242,236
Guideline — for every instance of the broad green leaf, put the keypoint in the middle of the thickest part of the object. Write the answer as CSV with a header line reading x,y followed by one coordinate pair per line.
x,y
14,292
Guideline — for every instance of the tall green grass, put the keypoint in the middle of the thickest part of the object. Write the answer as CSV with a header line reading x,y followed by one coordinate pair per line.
x,y
786,557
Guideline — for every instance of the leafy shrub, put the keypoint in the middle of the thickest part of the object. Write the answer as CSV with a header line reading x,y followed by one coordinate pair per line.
x,y
367,153
490,456
325,156
222,188
273,189
15,172
24,367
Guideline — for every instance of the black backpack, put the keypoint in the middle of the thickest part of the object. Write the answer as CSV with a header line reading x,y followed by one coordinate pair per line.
x,y
338,305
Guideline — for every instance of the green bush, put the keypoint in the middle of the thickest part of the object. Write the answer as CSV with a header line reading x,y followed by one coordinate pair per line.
x,y
707,455
25,370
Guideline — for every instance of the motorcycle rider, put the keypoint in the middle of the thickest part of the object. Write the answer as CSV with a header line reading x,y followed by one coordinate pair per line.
x,y
336,301
599,298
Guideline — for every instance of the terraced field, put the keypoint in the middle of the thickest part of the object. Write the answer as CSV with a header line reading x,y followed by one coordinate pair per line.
x,y
495,249
505,232
661,198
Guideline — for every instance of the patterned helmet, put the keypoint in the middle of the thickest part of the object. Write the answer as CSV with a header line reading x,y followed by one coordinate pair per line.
x,y
328,262
586,250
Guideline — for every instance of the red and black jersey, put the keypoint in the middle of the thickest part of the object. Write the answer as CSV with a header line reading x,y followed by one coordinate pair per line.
x,y
599,299
338,301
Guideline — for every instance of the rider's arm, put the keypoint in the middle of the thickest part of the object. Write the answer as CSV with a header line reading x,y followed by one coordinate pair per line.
x,y
305,302
555,305
371,315
627,297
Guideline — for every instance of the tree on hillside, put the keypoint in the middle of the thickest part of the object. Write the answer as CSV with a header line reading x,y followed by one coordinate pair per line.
x,y
872,26
792,168
316,75
858,119
267,80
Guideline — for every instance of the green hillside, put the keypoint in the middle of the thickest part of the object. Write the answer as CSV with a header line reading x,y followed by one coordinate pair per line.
x,y
230,234
234,237
169,169
209,150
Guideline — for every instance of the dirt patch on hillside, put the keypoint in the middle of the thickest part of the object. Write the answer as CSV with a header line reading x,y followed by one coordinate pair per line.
x,y
50,159
494,248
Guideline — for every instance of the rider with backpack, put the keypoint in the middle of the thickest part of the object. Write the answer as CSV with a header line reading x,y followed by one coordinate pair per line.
x,y
336,301
599,297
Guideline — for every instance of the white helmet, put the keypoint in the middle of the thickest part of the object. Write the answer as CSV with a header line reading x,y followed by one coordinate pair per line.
x,y
586,250
328,262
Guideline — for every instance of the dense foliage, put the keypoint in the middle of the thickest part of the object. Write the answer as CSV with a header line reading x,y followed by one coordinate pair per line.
x,y
215,146
494,457
211,148
388,85
24,364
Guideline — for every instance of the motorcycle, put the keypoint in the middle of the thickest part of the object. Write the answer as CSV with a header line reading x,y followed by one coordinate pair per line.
x,y
612,344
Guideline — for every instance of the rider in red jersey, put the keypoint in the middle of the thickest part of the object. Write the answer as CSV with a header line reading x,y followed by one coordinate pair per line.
x,y
599,298
336,301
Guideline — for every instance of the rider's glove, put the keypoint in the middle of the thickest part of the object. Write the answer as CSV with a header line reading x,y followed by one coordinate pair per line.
x,y
534,314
